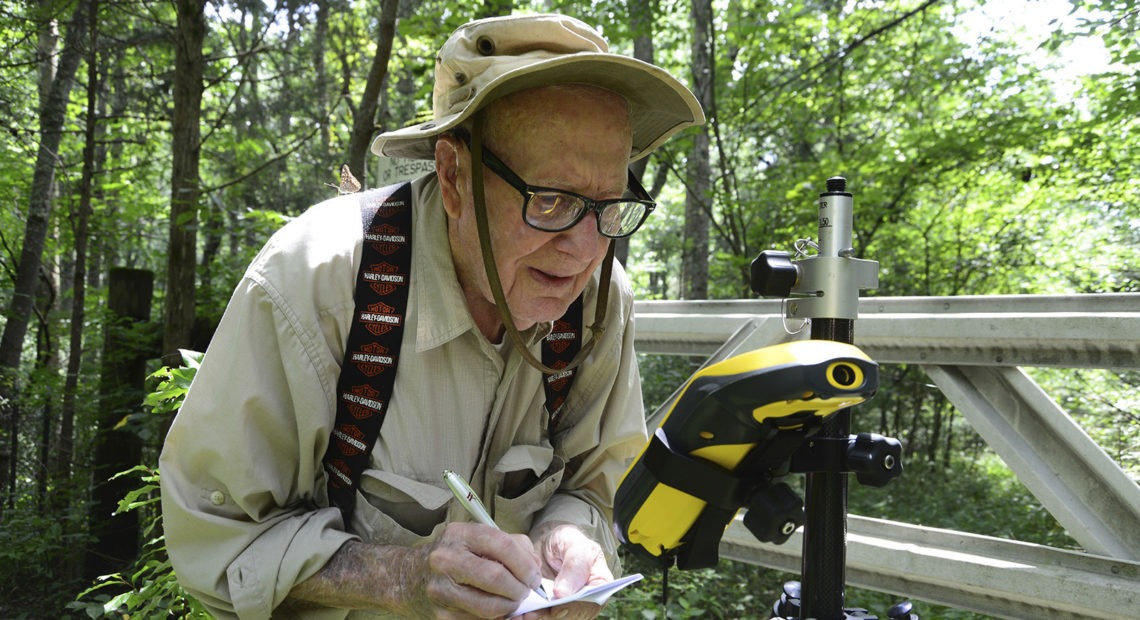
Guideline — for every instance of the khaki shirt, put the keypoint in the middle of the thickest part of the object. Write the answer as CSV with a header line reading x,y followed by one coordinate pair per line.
x,y
243,491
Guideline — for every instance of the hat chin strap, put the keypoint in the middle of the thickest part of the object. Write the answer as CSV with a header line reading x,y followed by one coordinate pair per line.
x,y
596,330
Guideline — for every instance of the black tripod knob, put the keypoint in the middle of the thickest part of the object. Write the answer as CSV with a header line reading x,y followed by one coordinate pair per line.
x,y
773,274
789,604
902,611
774,513
876,460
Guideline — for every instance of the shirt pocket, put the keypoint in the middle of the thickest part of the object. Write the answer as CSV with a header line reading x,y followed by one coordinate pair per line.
x,y
526,478
393,509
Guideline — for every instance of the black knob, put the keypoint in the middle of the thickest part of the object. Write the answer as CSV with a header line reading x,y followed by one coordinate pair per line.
x,y
774,513
875,459
773,274
901,611
789,604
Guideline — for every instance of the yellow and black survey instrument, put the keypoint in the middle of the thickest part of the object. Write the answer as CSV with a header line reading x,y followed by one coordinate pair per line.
x,y
727,438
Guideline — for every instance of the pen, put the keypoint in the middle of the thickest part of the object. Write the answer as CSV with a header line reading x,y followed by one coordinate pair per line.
x,y
474,505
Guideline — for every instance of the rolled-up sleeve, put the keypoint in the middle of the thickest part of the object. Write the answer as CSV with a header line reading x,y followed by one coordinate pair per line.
x,y
240,467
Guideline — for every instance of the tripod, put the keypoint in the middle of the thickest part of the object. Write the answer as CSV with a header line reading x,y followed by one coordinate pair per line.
x,y
828,286
739,426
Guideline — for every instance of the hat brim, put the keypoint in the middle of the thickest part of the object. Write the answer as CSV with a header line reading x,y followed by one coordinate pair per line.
x,y
660,105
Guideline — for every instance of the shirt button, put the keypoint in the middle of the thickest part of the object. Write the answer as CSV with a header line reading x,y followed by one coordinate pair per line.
x,y
217,498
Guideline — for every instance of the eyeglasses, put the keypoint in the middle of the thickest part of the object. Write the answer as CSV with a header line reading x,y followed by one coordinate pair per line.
x,y
554,210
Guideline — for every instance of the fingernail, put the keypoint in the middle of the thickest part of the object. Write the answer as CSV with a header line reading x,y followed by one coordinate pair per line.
x,y
562,614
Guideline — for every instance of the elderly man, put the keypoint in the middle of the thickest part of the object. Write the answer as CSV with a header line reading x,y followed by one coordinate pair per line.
x,y
282,492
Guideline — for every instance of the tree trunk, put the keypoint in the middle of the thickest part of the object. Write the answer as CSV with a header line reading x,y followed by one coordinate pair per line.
x,y
695,252
641,25
321,76
935,433
189,68
947,450
364,122
44,371
53,112
61,468
104,249
121,392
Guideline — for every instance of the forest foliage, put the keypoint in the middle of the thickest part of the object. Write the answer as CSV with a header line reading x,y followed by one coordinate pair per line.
x,y
986,156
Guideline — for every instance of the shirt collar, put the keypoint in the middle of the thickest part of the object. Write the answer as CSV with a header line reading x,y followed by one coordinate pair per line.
x,y
441,313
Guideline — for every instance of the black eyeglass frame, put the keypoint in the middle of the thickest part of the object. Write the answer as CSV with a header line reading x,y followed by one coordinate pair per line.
x,y
496,165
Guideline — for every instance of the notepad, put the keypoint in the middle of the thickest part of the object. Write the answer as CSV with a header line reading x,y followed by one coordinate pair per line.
x,y
598,594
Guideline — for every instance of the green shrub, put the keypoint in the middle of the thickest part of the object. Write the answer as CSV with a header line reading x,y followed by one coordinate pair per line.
x,y
38,564
149,589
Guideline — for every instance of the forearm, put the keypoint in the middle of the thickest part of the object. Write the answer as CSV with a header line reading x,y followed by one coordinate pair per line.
x,y
364,576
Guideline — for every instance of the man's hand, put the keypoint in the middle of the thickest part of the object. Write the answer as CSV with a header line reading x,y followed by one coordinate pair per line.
x,y
574,561
469,571
475,570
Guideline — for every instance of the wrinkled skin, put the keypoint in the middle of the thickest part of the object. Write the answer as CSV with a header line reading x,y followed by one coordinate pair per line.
x,y
572,138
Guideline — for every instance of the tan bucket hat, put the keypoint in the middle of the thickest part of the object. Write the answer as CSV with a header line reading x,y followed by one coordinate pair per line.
x,y
490,58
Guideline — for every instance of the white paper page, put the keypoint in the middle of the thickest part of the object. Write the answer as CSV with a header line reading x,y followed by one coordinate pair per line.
x,y
598,594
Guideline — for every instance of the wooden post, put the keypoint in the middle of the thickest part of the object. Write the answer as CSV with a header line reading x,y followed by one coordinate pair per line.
x,y
121,392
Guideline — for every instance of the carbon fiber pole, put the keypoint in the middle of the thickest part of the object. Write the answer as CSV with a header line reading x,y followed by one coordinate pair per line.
x,y
825,510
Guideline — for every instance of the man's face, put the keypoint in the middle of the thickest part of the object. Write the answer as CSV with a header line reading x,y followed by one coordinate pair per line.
x,y
568,138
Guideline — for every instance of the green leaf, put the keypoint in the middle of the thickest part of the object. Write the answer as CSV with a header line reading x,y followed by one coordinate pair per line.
x,y
191,359
115,603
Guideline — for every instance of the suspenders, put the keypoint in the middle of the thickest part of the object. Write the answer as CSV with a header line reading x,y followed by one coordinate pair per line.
x,y
372,352
558,349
